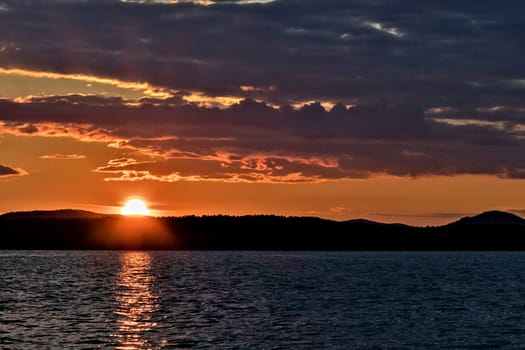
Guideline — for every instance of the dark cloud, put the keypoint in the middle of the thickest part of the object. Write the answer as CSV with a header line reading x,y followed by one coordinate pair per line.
x,y
419,87
7,171
339,50
252,140
28,129
78,99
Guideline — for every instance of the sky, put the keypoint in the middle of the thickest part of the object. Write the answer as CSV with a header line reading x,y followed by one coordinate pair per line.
x,y
399,111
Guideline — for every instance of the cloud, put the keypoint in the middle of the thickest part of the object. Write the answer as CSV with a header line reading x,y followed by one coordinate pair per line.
x,y
200,2
6,171
251,168
289,90
339,210
82,132
309,50
63,156
253,141
144,88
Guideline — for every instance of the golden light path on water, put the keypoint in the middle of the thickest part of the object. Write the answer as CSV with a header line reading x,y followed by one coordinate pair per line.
x,y
135,302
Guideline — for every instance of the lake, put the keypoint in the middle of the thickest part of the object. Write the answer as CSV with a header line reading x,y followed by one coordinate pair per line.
x,y
261,300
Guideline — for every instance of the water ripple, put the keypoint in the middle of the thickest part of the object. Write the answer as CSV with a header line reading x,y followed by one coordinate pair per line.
x,y
261,300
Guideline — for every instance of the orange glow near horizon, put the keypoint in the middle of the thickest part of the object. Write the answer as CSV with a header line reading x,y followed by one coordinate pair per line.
x,y
69,182
133,232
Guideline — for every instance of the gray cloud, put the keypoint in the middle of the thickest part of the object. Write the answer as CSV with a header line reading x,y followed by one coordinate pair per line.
x,y
8,171
252,140
338,50
436,88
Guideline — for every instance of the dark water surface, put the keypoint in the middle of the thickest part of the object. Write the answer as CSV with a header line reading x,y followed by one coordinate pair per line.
x,y
261,300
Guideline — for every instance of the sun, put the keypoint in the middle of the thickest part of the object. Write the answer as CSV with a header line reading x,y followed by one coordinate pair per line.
x,y
135,207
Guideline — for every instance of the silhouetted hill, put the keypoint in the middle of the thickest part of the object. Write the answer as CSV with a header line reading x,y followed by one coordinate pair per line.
x,y
363,221
52,214
70,229
491,218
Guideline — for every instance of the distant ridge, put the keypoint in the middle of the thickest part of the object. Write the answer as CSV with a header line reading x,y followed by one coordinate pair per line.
x,y
493,217
78,229
52,214
363,221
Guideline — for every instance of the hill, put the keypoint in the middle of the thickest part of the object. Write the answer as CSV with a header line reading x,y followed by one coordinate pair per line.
x,y
52,214
491,218
71,229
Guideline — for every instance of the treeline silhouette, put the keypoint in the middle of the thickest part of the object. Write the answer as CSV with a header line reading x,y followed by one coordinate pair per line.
x,y
487,231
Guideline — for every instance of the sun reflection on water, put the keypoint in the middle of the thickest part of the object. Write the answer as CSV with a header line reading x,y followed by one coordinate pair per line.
x,y
135,302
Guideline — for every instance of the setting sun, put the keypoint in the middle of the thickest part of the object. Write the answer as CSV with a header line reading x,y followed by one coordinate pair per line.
x,y
135,207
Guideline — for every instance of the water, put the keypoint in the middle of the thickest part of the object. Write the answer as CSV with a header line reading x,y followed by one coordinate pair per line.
x,y
261,300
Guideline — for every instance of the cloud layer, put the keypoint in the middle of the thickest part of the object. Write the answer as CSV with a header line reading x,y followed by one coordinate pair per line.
x,y
6,171
63,156
282,91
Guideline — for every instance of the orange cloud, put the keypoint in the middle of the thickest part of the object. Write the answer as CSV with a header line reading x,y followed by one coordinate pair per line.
x,y
203,100
248,88
82,132
147,89
63,156
260,168
252,141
